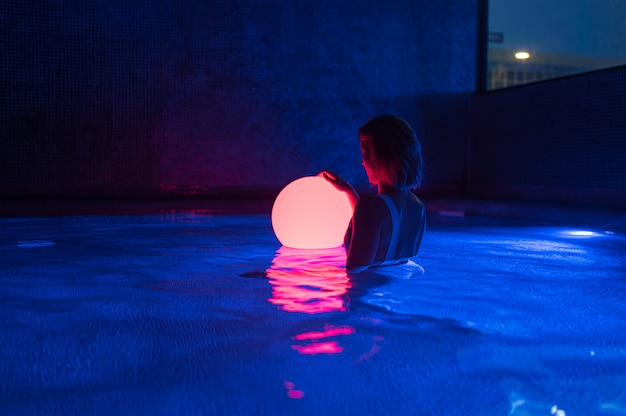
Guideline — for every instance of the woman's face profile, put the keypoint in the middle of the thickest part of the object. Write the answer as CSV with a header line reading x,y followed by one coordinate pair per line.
x,y
364,153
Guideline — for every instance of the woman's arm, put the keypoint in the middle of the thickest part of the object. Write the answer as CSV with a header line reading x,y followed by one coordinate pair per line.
x,y
366,227
364,230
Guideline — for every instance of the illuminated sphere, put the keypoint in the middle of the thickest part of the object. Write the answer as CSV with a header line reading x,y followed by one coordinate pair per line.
x,y
311,213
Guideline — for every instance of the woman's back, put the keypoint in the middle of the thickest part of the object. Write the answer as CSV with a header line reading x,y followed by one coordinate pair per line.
x,y
373,226
411,224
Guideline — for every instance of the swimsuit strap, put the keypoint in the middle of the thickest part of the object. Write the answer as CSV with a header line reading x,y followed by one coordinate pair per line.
x,y
395,225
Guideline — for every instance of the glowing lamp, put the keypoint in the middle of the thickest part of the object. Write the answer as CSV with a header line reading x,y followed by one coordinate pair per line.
x,y
311,213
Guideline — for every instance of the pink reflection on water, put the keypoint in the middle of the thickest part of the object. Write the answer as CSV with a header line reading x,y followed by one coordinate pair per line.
x,y
315,346
329,331
324,347
373,351
314,282
292,392
309,281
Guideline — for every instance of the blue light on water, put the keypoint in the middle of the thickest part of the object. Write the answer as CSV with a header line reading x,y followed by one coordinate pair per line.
x,y
35,243
189,313
581,233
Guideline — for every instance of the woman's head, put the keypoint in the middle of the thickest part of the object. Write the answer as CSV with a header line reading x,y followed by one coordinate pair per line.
x,y
392,153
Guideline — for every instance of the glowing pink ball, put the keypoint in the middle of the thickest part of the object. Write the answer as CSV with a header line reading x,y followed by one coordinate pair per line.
x,y
311,213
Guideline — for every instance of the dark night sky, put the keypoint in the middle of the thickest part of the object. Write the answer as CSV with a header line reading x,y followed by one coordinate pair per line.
x,y
574,27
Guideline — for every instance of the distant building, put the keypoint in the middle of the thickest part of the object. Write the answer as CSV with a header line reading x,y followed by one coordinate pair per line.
x,y
504,70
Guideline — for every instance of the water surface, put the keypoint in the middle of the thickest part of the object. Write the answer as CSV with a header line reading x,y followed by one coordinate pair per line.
x,y
207,314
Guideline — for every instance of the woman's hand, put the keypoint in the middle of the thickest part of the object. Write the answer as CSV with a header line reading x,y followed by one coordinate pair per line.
x,y
341,184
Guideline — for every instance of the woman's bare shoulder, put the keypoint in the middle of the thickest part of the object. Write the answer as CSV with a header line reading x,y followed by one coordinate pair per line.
x,y
415,201
371,203
415,198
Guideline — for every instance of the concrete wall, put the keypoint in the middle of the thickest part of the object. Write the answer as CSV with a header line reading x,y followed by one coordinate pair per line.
x,y
145,98
558,141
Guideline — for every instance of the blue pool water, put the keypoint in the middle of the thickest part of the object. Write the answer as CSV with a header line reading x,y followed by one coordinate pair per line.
x,y
206,314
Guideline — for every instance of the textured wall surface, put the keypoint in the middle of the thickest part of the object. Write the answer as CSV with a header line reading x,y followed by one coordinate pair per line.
x,y
562,140
164,97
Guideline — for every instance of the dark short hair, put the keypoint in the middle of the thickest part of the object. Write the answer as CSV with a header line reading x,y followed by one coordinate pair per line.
x,y
392,151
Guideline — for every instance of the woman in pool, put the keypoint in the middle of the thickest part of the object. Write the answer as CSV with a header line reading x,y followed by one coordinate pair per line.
x,y
386,228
